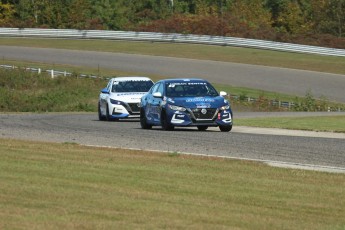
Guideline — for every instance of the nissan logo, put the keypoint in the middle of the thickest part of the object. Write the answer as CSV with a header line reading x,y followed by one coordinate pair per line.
x,y
204,111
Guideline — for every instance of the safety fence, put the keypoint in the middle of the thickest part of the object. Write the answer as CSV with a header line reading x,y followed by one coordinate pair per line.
x,y
169,37
51,72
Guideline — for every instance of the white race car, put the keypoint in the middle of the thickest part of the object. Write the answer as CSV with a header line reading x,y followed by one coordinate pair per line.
x,y
121,97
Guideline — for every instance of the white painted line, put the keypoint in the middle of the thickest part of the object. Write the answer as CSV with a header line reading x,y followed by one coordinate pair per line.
x,y
307,167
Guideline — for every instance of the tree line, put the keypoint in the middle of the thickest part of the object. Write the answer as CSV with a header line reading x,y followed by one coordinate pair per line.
x,y
313,22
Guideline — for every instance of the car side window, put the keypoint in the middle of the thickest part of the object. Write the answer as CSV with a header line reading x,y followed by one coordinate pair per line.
x,y
109,86
160,88
155,88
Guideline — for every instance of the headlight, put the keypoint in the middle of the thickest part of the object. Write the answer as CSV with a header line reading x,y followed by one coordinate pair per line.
x,y
177,108
225,107
115,102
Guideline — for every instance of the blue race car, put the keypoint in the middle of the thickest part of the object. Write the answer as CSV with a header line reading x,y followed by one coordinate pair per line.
x,y
185,102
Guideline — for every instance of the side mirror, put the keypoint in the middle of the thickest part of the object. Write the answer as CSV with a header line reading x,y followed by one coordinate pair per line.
x,y
223,94
157,95
105,90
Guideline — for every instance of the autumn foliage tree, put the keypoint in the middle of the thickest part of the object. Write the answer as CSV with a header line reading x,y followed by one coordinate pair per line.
x,y
6,14
314,22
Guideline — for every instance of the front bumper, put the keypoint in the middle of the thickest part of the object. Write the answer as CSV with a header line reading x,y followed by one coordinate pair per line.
x,y
213,117
124,110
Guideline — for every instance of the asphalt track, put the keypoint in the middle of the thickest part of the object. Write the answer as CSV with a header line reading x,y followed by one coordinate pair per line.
x,y
295,82
275,147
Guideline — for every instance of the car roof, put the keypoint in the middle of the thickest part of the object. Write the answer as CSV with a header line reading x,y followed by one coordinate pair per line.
x,y
131,78
173,80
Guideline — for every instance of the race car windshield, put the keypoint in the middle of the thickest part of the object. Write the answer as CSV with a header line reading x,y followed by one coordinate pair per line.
x,y
131,86
190,89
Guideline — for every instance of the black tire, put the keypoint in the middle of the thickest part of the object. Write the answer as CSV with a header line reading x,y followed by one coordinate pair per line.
x,y
165,124
225,128
107,116
143,121
100,116
202,127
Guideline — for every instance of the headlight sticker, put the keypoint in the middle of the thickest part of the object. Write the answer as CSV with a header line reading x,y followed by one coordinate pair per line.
x,y
177,108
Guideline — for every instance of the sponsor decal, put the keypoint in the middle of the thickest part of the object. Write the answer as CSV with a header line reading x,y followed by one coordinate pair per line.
x,y
203,106
118,82
171,100
176,120
172,85
227,120
200,99
197,83
127,94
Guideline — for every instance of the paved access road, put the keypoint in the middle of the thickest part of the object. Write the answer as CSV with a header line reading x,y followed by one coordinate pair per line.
x,y
84,128
294,82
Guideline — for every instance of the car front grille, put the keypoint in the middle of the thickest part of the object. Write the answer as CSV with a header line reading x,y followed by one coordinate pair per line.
x,y
134,107
209,114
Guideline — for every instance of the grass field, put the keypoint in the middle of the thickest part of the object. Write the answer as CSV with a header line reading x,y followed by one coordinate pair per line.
x,y
67,186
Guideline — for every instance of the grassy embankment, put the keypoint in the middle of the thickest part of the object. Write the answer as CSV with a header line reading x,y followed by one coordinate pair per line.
x,y
30,92
56,186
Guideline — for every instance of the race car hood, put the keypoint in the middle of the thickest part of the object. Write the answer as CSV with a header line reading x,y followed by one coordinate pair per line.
x,y
127,97
198,102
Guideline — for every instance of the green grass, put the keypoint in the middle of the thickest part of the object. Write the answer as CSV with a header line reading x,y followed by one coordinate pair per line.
x,y
323,123
29,92
205,52
254,93
67,186
24,92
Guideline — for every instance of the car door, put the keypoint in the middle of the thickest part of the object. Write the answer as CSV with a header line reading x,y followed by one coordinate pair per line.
x,y
153,108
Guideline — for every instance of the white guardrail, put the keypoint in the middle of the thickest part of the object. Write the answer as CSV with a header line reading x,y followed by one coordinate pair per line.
x,y
167,37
